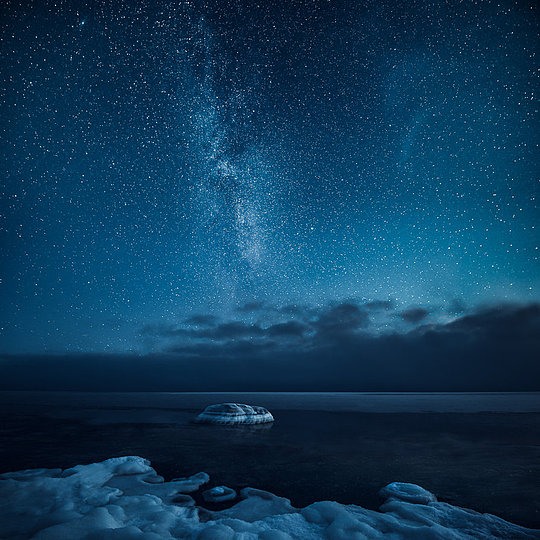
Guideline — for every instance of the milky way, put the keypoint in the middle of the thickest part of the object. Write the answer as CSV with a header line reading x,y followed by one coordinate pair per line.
x,y
231,192
185,159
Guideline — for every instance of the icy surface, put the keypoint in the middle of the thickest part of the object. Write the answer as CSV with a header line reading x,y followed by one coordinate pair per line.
x,y
124,499
234,413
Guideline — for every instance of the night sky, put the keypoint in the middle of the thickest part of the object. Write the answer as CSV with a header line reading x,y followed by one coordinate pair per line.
x,y
267,187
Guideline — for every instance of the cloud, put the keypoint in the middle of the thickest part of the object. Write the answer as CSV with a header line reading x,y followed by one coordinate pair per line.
x,y
456,307
414,315
303,323
202,320
331,348
339,320
230,331
498,323
251,307
288,329
377,305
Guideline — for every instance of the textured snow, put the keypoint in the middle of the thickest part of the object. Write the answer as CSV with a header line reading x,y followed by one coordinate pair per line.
x,y
124,499
234,413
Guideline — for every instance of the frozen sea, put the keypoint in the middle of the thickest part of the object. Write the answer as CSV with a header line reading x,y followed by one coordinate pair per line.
x,y
479,451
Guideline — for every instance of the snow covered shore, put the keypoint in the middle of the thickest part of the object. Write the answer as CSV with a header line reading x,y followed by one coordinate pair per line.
x,y
124,498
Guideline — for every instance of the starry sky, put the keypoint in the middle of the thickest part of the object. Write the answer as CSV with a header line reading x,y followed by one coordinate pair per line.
x,y
180,177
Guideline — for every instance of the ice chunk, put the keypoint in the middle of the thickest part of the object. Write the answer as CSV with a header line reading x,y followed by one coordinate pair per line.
x,y
234,413
219,494
407,492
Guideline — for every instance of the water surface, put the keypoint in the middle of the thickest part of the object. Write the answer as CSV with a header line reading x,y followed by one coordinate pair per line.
x,y
480,451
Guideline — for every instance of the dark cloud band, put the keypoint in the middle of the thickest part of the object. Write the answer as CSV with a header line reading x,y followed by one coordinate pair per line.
x,y
490,349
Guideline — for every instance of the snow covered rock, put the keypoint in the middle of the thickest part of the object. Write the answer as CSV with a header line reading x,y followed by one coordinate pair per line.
x,y
234,413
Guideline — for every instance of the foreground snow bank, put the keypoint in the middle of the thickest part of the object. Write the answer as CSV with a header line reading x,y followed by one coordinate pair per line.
x,y
124,499
234,413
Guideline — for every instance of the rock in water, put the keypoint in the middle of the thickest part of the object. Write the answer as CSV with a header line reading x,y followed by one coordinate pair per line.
x,y
234,413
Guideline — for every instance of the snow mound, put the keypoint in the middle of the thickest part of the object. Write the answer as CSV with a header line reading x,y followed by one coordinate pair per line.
x,y
219,494
124,499
412,493
234,413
